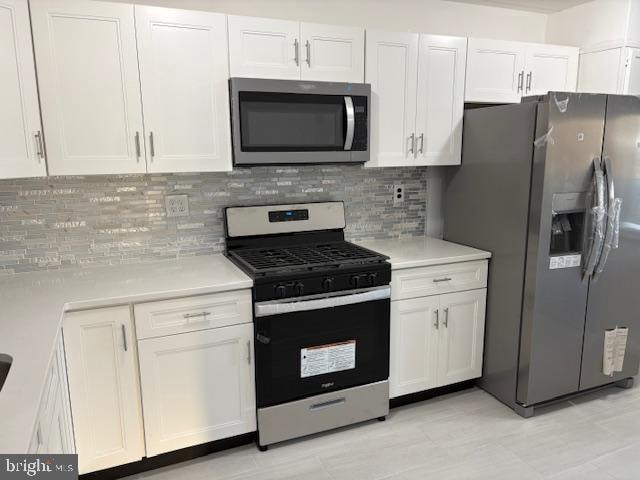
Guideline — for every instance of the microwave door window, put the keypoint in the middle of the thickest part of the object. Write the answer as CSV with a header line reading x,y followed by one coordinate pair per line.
x,y
285,122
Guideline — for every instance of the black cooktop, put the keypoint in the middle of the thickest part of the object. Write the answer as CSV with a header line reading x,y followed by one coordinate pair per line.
x,y
293,258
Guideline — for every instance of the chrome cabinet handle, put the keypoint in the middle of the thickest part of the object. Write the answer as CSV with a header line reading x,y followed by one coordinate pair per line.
x,y
438,280
412,137
437,322
421,149
137,137
249,352
124,337
529,77
189,316
308,47
39,145
152,147
296,52
445,321
520,80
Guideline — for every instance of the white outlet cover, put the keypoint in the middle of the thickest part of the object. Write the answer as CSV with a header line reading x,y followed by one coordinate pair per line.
x,y
177,205
398,194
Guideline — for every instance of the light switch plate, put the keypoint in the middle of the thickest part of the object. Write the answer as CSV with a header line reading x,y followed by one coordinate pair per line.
x,y
177,205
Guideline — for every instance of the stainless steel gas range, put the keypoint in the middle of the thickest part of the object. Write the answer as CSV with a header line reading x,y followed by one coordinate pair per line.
x,y
321,314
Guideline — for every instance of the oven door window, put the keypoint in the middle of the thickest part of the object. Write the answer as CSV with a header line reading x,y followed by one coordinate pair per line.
x,y
306,353
285,122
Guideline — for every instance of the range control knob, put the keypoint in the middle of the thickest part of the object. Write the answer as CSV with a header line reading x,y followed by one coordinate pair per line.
x,y
327,284
299,288
355,281
372,277
281,291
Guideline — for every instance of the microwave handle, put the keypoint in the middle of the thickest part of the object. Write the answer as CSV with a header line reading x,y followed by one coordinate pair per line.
x,y
351,123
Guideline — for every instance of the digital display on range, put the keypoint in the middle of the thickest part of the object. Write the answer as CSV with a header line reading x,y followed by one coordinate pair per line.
x,y
288,215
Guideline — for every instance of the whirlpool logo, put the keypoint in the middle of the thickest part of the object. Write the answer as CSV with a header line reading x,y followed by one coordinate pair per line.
x,y
52,467
327,385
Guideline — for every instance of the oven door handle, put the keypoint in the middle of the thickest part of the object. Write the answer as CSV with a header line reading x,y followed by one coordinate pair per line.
x,y
351,123
278,308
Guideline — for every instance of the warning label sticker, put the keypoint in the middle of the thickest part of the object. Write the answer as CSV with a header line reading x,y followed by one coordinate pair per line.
x,y
333,357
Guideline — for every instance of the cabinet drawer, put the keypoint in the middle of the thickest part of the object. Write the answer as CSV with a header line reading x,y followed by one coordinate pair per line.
x,y
168,317
424,281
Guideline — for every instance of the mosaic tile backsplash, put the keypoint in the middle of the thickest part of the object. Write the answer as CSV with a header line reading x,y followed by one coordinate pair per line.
x,y
71,222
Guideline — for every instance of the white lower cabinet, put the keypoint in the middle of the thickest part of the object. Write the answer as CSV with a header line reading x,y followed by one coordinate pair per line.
x,y
436,340
461,339
414,345
102,367
53,433
197,387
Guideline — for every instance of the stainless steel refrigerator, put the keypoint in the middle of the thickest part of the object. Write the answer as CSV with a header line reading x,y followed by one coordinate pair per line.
x,y
551,186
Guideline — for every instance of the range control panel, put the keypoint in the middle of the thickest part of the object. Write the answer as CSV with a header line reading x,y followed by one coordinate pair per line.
x,y
288,215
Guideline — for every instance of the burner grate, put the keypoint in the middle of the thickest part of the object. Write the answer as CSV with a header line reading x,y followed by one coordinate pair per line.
x,y
299,257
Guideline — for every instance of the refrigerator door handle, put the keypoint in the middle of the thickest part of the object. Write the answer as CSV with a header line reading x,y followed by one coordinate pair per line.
x,y
598,211
612,220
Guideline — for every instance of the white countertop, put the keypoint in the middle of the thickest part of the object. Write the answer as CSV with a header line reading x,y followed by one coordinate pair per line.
x,y
31,308
424,251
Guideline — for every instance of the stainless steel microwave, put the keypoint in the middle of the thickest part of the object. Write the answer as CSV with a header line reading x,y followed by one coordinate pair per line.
x,y
278,122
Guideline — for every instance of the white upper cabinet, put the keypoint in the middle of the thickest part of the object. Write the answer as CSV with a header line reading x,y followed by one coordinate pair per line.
x,y
495,71
184,75
610,70
632,77
440,101
332,53
21,145
501,71
89,86
264,48
392,69
417,98
550,68
284,49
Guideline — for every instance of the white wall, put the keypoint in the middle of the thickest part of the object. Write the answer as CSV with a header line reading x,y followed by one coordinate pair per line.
x,y
428,16
600,22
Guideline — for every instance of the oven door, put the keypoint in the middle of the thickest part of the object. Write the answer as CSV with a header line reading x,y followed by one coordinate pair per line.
x,y
316,345
280,122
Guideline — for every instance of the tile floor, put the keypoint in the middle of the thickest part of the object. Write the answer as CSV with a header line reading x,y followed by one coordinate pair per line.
x,y
465,435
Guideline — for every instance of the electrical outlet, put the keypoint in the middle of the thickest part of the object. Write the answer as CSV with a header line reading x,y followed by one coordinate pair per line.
x,y
398,195
177,205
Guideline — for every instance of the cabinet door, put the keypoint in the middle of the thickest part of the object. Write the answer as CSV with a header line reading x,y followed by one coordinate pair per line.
x,y
103,384
264,47
551,68
414,345
332,53
89,86
495,71
440,105
184,75
21,147
632,76
392,68
462,338
197,387
601,71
